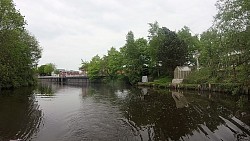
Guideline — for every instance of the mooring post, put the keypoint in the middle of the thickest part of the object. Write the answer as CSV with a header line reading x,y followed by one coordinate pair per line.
x,y
248,93
209,87
199,87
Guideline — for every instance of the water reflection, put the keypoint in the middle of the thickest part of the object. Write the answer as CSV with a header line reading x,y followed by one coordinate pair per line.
x,y
46,90
20,116
165,115
98,117
144,91
120,112
179,99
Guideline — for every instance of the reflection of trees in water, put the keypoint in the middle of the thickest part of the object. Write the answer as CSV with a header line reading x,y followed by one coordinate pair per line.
x,y
243,108
238,106
158,111
113,93
47,89
155,115
20,114
44,89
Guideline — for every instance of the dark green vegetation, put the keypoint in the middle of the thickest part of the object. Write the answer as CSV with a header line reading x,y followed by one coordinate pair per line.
x,y
225,48
47,69
19,50
157,56
224,51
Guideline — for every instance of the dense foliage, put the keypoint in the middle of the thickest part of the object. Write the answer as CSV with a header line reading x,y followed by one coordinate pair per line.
x,y
19,50
46,70
193,43
159,55
225,47
223,51
171,52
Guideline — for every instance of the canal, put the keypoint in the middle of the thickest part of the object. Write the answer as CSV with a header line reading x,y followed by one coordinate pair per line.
x,y
52,112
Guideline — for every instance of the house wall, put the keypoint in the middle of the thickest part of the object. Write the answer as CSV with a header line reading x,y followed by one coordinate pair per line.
x,y
178,74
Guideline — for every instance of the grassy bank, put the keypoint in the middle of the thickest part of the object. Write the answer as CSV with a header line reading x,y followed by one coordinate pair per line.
x,y
232,88
199,81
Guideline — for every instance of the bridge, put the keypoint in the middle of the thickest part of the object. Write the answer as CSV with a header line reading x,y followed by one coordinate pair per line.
x,y
70,79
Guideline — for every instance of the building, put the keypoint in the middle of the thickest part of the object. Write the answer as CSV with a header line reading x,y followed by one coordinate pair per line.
x,y
63,72
180,73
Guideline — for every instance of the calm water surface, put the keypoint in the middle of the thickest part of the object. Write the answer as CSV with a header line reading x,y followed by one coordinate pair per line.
x,y
54,112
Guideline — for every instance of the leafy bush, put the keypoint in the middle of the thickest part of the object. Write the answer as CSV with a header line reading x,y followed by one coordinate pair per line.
x,y
199,77
163,80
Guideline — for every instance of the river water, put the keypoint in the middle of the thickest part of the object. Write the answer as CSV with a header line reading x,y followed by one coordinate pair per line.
x,y
52,112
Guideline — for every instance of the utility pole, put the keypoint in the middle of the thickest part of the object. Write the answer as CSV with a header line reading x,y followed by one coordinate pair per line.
x,y
196,56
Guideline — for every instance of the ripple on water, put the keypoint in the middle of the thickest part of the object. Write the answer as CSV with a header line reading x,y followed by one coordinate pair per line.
x,y
73,113
97,121
21,116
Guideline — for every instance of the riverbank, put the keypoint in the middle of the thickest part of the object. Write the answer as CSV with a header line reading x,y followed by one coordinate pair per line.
x,y
232,88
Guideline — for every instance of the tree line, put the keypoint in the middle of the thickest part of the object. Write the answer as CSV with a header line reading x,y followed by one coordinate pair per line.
x,y
156,56
225,47
223,50
19,50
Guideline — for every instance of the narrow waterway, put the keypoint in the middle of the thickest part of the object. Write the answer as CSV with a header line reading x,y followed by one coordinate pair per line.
x,y
52,112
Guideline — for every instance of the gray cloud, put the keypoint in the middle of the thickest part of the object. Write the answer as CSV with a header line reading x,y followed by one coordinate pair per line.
x,y
70,31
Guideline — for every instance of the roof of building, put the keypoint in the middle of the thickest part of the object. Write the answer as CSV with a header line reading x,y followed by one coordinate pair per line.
x,y
184,68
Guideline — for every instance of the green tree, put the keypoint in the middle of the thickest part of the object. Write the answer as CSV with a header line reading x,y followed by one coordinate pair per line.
x,y
19,51
192,42
130,58
212,56
233,15
153,30
167,50
135,57
211,49
46,70
49,68
41,71
84,66
171,52
113,63
143,56
233,23
56,71
94,67
154,43
34,49
10,18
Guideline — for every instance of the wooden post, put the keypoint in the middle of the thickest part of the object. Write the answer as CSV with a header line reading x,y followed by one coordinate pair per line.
x,y
209,87
248,93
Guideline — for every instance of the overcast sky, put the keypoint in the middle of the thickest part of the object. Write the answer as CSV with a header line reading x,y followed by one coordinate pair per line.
x,y
71,30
